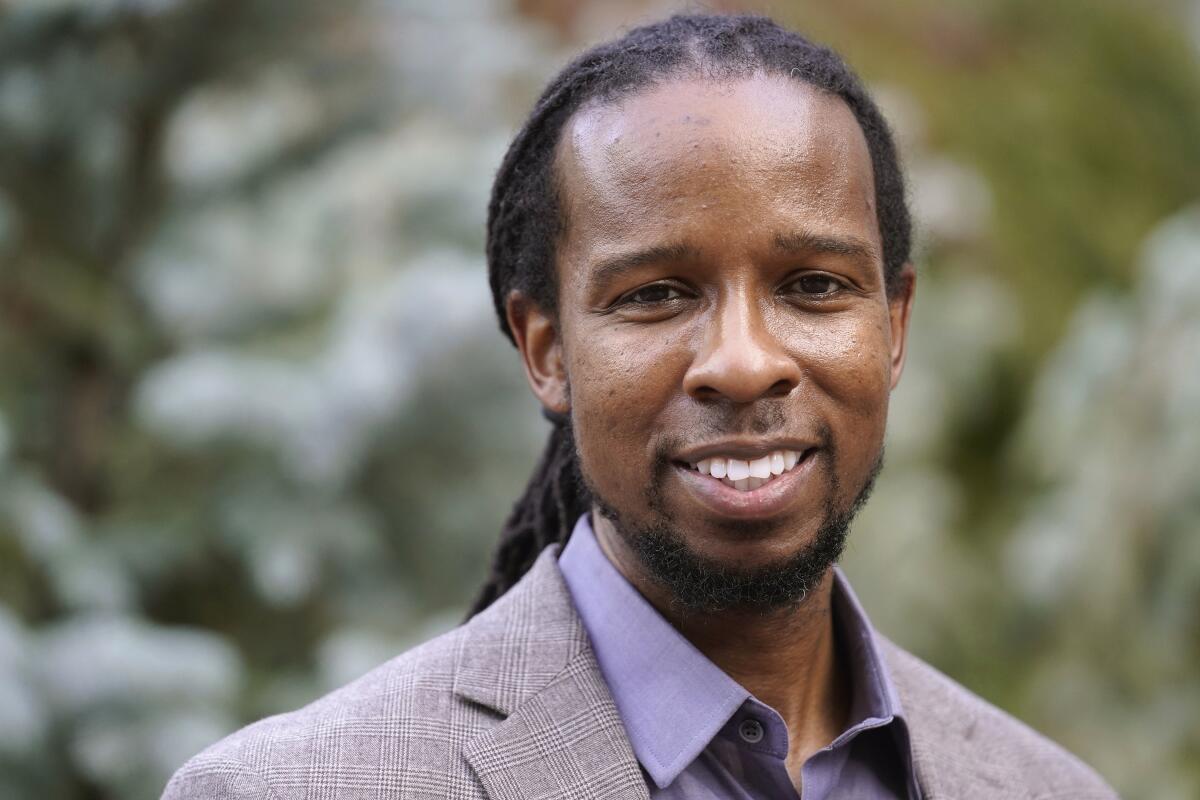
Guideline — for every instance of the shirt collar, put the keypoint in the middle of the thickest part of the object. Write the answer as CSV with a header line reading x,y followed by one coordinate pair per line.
x,y
672,699
875,696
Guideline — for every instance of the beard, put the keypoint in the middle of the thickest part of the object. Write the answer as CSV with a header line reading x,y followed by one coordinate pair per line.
x,y
704,585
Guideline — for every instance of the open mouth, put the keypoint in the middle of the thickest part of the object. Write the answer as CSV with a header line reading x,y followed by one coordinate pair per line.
x,y
748,475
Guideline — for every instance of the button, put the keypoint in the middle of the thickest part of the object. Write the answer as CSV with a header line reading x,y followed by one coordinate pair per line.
x,y
751,731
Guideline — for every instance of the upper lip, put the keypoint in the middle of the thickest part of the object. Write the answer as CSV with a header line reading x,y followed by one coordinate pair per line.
x,y
745,449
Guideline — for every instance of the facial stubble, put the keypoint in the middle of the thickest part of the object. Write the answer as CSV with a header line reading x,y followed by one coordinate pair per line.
x,y
704,585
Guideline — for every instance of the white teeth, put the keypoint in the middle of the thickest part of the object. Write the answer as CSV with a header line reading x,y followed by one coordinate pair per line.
x,y
761,467
747,476
738,469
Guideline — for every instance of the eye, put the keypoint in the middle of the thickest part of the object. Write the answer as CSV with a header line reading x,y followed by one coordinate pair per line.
x,y
817,285
652,294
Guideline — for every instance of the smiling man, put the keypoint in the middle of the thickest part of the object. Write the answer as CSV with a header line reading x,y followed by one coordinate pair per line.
x,y
699,245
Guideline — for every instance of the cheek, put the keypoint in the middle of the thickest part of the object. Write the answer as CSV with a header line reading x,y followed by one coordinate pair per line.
x,y
848,359
620,386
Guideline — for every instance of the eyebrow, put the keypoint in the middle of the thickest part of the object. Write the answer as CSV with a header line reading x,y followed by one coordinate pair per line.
x,y
609,269
805,242
796,242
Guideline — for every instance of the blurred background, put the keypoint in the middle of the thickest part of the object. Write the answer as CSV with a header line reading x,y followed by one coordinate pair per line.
x,y
258,429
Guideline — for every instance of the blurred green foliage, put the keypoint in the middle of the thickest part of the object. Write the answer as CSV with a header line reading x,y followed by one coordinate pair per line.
x,y
258,430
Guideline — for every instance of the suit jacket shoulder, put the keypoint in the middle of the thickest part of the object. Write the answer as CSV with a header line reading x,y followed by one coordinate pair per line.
x,y
510,705
398,729
964,746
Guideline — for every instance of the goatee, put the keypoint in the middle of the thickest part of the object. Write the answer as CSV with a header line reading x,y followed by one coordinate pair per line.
x,y
703,585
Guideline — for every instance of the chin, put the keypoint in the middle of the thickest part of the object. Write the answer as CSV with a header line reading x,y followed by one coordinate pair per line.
x,y
747,544
742,571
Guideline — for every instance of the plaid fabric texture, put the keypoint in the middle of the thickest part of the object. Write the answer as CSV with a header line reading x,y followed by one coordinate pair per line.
x,y
513,706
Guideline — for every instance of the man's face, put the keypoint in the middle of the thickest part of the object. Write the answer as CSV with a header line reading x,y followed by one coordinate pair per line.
x,y
721,301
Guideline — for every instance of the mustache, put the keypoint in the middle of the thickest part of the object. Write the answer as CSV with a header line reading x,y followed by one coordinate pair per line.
x,y
761,421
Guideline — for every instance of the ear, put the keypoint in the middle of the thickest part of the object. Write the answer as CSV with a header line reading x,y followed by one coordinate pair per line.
x,y
538,340
900,302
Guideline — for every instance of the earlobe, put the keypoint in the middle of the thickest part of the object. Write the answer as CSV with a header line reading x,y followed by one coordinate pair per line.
x,y
900,315
537,337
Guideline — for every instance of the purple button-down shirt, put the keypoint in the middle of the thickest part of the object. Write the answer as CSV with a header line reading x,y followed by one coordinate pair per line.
x,y
698,733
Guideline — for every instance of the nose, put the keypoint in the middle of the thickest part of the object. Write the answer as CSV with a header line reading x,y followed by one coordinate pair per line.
x,y
740,358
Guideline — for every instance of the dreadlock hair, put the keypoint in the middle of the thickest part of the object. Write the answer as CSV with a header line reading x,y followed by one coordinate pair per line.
x,y
525,216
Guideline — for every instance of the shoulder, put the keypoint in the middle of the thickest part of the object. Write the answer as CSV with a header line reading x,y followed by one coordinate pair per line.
x,y
403,728
403,714
960,739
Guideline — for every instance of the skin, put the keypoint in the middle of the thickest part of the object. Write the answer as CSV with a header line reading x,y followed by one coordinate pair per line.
x,y
721,283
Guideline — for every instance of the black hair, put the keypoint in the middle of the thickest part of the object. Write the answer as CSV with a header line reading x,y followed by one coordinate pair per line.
x,y
525,215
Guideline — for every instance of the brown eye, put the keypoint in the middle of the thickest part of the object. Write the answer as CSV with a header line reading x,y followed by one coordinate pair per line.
x,y
654,293
817,284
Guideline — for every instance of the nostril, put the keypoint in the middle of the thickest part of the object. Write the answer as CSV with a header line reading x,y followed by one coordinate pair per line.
x,y
781,388
706,393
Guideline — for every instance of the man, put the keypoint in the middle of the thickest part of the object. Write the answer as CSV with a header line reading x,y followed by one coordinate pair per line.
x,y
699,244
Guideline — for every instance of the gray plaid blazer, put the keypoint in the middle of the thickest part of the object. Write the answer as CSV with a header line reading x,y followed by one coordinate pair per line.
x,y
512,706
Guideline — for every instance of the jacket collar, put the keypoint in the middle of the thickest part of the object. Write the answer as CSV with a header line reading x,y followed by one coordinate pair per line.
x,y
527,657
952,758
515,647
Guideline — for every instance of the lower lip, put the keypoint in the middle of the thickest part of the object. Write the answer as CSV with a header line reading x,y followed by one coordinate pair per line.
x,y
766,501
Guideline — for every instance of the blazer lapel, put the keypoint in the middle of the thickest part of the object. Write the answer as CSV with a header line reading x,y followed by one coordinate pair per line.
x,y
565,741
948,760
944,774
528,658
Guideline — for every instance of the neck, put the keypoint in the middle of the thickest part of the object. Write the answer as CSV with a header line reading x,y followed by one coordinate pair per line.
x,y
788,658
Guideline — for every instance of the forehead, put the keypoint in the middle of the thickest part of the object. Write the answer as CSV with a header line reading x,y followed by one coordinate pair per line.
x,y
693,157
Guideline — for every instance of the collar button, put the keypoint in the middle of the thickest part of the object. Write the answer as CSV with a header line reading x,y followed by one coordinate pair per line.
x,y
751,731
